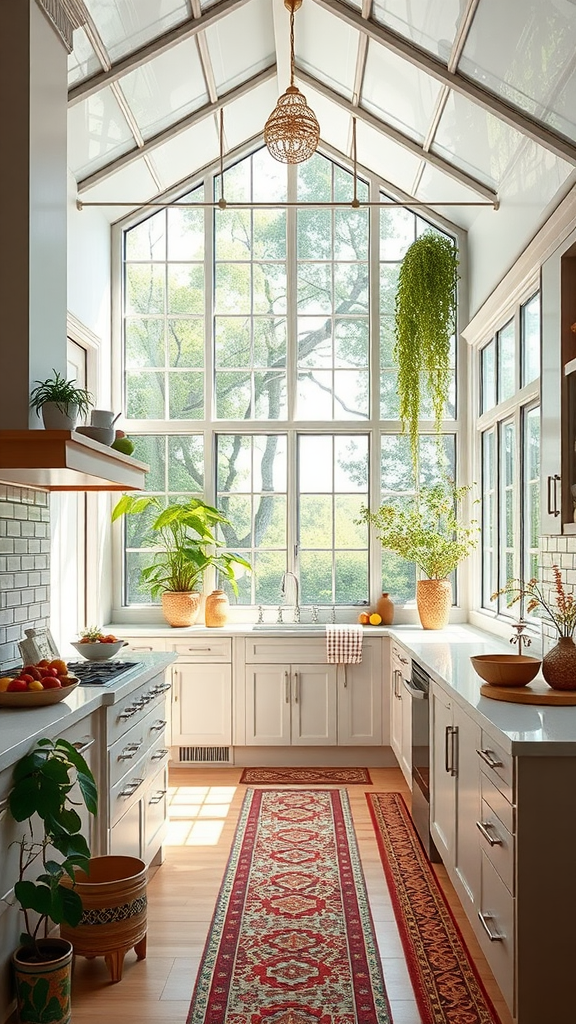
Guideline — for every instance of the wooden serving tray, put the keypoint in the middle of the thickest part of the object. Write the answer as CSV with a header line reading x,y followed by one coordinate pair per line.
x,y
533,693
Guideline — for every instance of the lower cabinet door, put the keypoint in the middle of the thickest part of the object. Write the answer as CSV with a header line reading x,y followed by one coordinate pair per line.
x,y
360,701
443,776
496,914
155,803
268,705
126,837
314,705
202,705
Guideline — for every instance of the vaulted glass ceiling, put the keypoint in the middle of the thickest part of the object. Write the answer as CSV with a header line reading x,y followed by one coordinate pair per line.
x,y
456,101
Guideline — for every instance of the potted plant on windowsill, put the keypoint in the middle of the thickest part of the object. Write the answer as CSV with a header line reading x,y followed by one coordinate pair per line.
x,y
427,529
41,796
182,536
60,402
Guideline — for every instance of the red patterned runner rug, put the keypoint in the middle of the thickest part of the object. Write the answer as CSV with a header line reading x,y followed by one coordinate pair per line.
x,y
306,776
445,980
291,940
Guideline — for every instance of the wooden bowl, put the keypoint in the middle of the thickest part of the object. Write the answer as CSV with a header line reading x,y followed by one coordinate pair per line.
x,y
506,669
37,698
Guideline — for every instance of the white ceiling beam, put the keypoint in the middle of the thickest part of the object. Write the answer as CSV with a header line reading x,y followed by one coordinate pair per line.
x,y
489,101
154,48
397,136
176,129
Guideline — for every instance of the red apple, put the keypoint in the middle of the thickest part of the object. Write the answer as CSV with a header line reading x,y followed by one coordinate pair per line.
x,y
31,670
51,682
17,686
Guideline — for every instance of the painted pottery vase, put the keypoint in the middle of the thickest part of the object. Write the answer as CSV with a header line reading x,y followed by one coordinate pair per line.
x,y
433,600
180,607
559,665
217,608
385,609
43,986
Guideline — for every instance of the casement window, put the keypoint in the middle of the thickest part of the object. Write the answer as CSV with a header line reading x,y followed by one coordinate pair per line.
x,y
509,457
258,374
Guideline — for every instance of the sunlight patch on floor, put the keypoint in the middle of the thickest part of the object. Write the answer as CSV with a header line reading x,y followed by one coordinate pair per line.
x,y
197,814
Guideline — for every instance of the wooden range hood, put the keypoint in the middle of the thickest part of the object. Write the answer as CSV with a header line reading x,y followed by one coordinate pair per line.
x,y
62,460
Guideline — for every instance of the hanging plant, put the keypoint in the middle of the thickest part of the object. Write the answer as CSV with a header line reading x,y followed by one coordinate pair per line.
x,y
425,320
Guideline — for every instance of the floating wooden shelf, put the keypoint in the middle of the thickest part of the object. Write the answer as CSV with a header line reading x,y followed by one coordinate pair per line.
x,y
62,460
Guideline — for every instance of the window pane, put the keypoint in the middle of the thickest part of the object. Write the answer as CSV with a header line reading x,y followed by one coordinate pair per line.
x,y
531,502
506,362
489,579
530,321
508,539
488,376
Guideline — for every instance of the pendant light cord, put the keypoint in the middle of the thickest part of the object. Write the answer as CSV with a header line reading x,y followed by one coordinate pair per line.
x,y
292,45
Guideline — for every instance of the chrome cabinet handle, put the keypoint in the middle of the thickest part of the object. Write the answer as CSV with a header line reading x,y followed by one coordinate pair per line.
x,y
492,935
403,660
81,747
160,688
142,648
160,754
397,682
199,650
130,710
130,751
287,687
490,760
447,749
454,751
483,827
553,509
159,725
130,788
158,796
296,687
345,675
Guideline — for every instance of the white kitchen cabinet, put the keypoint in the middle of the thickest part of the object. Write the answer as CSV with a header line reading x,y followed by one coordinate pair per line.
x,y
455,791
201,704
401,709
360,699
291,705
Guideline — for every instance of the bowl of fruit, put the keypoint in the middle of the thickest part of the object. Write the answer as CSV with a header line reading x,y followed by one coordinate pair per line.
x,y
46,682
95,645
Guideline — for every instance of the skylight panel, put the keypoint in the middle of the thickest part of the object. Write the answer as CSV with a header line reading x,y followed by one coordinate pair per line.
x,y
125,25
398,93
166,89
431,24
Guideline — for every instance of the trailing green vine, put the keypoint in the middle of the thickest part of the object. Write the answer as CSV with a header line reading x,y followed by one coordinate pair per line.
x,y
425,320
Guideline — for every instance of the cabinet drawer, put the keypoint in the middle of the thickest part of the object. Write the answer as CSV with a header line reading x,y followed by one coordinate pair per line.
x,y
146,643
128,790
155,813
497,844
496,916
135,706
497,765
206,648
134,743
271,651
498,802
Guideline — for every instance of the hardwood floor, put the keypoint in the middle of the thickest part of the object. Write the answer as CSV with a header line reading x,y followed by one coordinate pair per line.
x,y
182,893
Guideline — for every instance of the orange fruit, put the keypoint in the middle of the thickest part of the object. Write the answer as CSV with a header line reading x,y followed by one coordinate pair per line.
x,y
4,683
364,618
60,666
375,619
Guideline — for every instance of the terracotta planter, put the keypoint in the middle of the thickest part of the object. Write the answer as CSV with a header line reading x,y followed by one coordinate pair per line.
x,y
43,987
559,665
114,919
180,608
434,600
217,608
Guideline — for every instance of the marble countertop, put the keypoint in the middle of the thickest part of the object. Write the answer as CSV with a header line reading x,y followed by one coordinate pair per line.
x,y
21,727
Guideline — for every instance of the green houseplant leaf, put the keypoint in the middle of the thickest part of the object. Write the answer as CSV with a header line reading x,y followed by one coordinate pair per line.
x,y
62,392
424,323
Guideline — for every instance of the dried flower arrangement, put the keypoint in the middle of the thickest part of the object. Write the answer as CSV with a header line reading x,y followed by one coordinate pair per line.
x,y
562,614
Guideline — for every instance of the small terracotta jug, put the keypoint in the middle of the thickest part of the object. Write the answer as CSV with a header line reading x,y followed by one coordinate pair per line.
x,y
385,609
216,609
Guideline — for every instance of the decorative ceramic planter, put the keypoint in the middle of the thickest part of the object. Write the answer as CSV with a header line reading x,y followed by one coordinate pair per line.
x,y
180,608
54,419
43,986
434,600
385,609
217,608
114,917
559,665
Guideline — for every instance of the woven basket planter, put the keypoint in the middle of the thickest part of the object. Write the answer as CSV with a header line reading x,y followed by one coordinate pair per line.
x,y
180,608
434,601
114,919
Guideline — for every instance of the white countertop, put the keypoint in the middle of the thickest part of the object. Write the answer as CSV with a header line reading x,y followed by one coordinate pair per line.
x,y
21,727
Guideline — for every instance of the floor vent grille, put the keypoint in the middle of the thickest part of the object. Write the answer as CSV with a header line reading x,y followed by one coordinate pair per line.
x,y
204,755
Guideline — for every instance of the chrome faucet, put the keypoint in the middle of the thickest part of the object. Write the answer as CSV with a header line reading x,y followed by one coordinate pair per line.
x,y
296,591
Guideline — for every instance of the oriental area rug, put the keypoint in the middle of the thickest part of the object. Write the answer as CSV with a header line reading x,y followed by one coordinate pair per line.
x,y
306,777
445,980
292,940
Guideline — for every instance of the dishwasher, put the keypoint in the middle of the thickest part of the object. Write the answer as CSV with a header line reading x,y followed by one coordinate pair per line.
x,y
419,687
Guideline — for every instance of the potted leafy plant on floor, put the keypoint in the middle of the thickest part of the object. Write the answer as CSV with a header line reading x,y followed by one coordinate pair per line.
x,y
184,542
428,529
60,402
44,797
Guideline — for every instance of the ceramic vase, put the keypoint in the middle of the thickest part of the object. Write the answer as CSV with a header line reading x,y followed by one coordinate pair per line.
x,y
55,419
559,665
43,987
434,600
114,917
217,608
180,607
385,609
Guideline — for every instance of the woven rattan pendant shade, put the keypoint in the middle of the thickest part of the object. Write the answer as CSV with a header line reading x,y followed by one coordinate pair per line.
x,y
292,131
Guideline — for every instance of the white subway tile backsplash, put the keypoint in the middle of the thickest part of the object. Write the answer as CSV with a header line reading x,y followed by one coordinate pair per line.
x,y
24,565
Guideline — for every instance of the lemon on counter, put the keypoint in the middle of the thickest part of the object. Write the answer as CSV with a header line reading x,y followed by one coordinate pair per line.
x,y
375,619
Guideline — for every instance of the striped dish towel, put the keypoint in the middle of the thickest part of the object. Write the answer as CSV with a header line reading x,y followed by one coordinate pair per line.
x,y
344,645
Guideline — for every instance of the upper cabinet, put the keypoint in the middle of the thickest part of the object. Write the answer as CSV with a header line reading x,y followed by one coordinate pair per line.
x,y
558,467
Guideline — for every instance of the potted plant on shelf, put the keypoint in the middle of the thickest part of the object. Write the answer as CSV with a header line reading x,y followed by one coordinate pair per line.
x,y
42,797
427,529
559,610
60,402
424,323
185,544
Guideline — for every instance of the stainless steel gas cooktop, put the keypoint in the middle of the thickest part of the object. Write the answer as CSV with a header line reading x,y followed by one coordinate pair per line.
x,y
101,673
